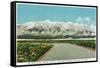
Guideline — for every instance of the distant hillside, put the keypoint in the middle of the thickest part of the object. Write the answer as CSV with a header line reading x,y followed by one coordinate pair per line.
x,y
54,29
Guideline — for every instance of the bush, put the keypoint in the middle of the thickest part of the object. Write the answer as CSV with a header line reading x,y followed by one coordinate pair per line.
x,y
27,52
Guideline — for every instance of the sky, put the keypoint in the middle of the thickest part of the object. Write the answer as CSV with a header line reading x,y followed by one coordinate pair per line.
x,y
28,13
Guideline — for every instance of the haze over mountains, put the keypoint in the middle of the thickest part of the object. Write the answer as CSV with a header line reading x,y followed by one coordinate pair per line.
x,y
55,29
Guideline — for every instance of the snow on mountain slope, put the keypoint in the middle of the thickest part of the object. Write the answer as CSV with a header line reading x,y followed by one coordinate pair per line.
x,y
55,28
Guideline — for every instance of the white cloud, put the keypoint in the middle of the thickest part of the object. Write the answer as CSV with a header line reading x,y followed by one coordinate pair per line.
x,y
79,19
87,19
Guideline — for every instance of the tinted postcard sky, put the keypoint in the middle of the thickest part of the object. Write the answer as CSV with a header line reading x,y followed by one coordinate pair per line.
x,y
26,13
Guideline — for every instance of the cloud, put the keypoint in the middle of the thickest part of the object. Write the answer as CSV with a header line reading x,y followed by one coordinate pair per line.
x,y
85,20
79,19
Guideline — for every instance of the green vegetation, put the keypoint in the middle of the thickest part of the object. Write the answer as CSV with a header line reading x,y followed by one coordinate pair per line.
x,y
85,43
48,36
29,52
43,36
32,50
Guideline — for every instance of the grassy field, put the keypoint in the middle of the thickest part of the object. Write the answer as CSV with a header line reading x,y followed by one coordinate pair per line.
x,y
28,52
84,43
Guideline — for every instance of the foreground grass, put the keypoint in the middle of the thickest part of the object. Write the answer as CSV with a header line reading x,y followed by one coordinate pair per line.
x,y
28,52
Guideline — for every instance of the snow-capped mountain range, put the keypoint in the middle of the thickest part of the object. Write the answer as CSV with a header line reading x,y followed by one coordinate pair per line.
x,y
54,28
